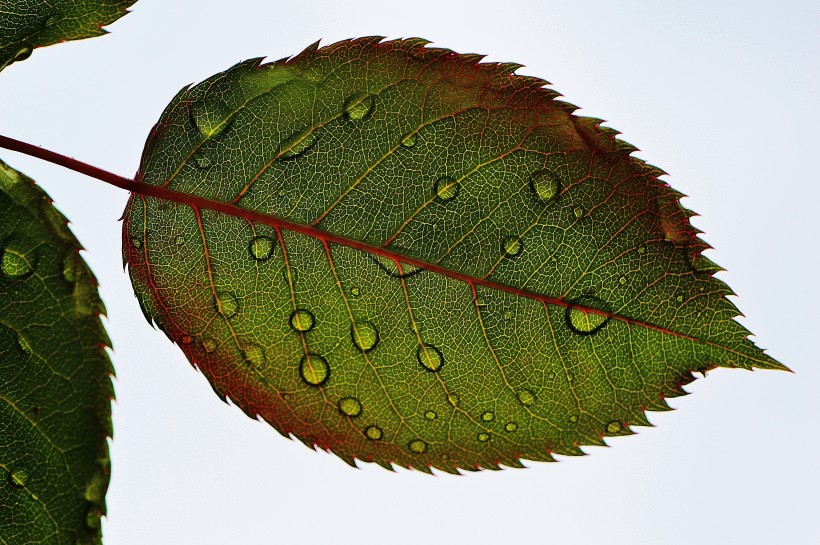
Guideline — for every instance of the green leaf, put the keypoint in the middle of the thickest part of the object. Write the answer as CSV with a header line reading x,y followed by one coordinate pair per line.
x,y
55,376
405,256
27,24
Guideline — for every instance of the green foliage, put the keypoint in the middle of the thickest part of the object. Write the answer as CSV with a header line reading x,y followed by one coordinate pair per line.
x,y
405,256
55,385
27,24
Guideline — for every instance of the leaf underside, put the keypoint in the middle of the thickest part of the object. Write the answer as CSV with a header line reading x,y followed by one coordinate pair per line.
x,y
55,376
27,24
405,256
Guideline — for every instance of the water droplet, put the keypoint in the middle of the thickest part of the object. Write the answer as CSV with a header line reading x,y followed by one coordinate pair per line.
x,y
511,426
226,304
508,314
489,416
24,345
23,53
622,280
14,265
679,298
573,418
526,397
430,415
355,292
179,240
390,267
417,446
186,339
614,427
314,369
408,140
136,242
642,249
365,336
350,406
19,477
580,316
202,161
358,106
209,345
446,188
511,246
430,357
299,145
483,437
374,433
579,212
545,185
453,400
71,264
92,518
261,248
254,355
302,320
551,375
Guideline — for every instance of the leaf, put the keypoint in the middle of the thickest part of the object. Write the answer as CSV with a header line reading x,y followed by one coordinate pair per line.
x,y
405,256
55,376
25,25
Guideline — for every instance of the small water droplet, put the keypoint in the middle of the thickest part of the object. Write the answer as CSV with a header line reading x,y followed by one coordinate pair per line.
x,y
350,406
136,242
209,345
302,320
186,339
71,264
508,314
526,397
261,248
453,400
545,185
355,292
299,145
314,369
179,240
679,298
365,336
483,437
551,375
202,161
580,316
430,357
19,477
24,345
511,246
408,140
374,433
614,427
417,446
446,188
622,280
254,355
578,212
573,418
15,265
488,416
430,415
92,518
511,426
226,304
358,106
642,249
23,53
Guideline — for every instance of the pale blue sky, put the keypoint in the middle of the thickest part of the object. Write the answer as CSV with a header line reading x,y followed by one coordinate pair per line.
x,y
723,96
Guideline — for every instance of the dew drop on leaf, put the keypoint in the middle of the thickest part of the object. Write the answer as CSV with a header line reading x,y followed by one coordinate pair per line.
x,y
417,446
573,418
302,320
365,336
261,248
453,400
14,265
488,416
430,415
580,316
19,477
209,345
511,246
430,357
299,145
511,426
254,355
545,185
355,292
374,433
92,518
24,345
614,427
226,304
71,263
350,406
136,242
358,106
578,212
202,161
179,240
483,437
526,397
408,140
24,53
446,188
508,314
622,280
314,369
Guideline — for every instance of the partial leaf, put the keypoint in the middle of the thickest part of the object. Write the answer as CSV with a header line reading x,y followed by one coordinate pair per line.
x,y
55,376
26,24
403,255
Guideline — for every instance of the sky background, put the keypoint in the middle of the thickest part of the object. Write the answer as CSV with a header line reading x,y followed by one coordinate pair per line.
x,y
723,96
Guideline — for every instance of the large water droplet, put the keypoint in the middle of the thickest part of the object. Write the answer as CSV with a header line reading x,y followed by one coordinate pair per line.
x,y
14,265
430,357
314,369
417,446
254,355
365,336
19,477
511,427
302,320
488,416
226,304
261,248
350,406
430,415
587,314
483,437
23,53
526,397
211,116
511,246
358,106
374,433
299,145
614,427
408,140
390,267
545,185
446,188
